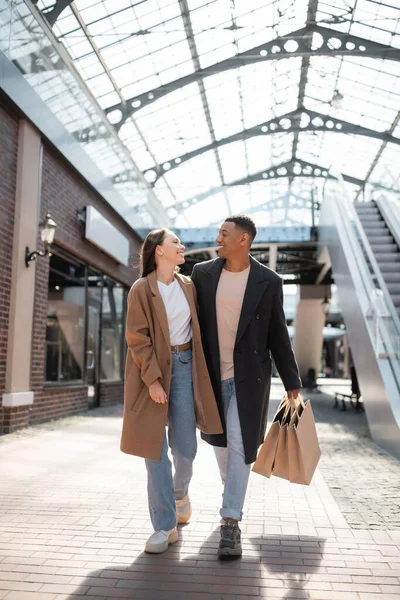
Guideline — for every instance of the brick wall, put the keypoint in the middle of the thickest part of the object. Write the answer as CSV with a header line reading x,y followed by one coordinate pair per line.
x,y
111,393
8,174
63,193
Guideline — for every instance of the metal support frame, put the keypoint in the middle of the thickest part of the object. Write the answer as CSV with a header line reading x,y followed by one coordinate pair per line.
x,y
36,62
291,168
296,200
281,201
185,13
305,65
333,43
296,121
204,237
297,43
52,15
380,152
154,206
295,261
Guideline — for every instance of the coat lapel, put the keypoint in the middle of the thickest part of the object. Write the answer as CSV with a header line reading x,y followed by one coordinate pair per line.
x,y
188,294
159,307
213,273
256,286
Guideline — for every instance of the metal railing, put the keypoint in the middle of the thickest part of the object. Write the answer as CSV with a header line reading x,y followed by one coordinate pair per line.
x,y
389,206
375,301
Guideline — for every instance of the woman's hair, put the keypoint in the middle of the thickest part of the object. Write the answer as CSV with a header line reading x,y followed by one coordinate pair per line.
x,y
148,253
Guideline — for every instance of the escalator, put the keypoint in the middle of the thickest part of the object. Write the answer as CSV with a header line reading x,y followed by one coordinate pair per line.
x,y
384,247
363,243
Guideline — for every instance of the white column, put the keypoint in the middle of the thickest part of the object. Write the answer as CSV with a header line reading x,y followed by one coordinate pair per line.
x,y
27,204
273,256
308,328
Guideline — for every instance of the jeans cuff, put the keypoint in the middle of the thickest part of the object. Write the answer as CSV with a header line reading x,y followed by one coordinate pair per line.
x,y
231,513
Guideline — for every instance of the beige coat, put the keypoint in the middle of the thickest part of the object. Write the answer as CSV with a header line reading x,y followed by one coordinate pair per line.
x,y
148,359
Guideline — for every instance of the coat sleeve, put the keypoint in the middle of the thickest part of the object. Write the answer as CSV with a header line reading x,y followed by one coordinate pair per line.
x,y
138,339
280,345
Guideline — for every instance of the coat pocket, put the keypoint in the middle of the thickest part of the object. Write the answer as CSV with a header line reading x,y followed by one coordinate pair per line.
x,y
141,399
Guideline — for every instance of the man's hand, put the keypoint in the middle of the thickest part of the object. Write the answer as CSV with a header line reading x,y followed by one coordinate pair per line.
x,y
157,393
292,394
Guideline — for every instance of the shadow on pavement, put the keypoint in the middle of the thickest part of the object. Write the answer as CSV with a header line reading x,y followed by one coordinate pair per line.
x,y
190,570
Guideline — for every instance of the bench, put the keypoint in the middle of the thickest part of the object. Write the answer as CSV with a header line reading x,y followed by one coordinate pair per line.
x,y
353,399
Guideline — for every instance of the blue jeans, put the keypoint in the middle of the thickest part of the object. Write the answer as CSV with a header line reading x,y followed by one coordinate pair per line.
x,y
163,488
231,460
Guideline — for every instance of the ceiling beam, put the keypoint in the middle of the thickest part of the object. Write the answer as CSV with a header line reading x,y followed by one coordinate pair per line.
x,y
51,15
296,121
156,206
333,43
185,13
297,168
305,65
295,200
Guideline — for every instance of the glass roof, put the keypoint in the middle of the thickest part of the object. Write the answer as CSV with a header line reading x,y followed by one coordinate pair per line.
x,y
124,48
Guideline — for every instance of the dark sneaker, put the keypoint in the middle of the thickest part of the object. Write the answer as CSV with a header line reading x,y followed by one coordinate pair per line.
x,y
230,544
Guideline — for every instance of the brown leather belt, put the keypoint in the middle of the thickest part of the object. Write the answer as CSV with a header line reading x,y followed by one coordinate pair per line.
x,y
181,347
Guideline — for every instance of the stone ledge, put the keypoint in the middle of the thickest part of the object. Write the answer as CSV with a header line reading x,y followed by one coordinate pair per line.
x,y
13,399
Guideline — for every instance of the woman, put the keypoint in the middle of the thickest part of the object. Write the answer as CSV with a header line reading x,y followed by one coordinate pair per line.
x,y
166,383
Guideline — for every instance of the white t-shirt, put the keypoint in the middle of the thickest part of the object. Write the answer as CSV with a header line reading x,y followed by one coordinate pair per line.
x,y
178,312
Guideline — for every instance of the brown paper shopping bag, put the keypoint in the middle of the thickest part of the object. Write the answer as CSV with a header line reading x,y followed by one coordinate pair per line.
x,y
280,467
266,456
302,443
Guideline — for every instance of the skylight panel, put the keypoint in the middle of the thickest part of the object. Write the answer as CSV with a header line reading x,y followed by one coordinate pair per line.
x,y
194,177
213,209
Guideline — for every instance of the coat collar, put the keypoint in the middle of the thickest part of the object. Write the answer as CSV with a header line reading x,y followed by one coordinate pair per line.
x,y
152,279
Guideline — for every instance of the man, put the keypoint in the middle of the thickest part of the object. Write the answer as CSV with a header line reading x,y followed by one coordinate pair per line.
x,y
242,322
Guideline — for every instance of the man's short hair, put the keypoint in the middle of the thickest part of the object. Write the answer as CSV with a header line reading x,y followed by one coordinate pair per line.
x,y
245,223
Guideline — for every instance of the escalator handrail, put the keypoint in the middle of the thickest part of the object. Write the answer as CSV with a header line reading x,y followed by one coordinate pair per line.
x,y
371,257
377,273
359,259
366,277
391,219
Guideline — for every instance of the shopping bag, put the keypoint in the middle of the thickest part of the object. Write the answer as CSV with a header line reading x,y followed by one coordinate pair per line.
x,y
302,444
280,468
266,456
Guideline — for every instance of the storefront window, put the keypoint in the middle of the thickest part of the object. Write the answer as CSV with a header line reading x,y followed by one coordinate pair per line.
x,y
112,330
85,334
65,332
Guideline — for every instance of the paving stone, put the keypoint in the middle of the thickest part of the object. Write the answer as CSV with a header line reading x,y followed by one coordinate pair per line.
x,y
74,520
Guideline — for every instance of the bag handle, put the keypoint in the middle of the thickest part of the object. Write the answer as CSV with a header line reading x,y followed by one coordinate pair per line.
x,y
296,403
289,411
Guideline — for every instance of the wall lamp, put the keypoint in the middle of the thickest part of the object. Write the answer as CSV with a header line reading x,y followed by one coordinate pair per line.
x,y
325,305
47,230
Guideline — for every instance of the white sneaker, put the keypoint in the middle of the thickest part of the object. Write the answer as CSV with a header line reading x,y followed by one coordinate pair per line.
x,y
160,540
183,510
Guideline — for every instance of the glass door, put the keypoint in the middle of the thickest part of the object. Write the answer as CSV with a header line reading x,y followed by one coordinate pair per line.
x,y
94,290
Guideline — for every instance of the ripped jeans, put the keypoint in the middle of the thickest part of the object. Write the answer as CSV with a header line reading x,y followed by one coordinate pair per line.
x,y
163,488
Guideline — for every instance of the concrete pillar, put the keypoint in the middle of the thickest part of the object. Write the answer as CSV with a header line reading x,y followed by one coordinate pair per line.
x,y
27,204
273,256
308,328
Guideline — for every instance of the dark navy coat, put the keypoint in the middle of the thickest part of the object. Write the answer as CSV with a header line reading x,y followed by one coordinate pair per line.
x,y
262,331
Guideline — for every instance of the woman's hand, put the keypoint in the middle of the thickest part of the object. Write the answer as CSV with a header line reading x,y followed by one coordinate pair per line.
x,y
157,393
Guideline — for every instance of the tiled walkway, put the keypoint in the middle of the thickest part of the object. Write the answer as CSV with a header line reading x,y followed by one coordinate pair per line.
x,y
73,522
